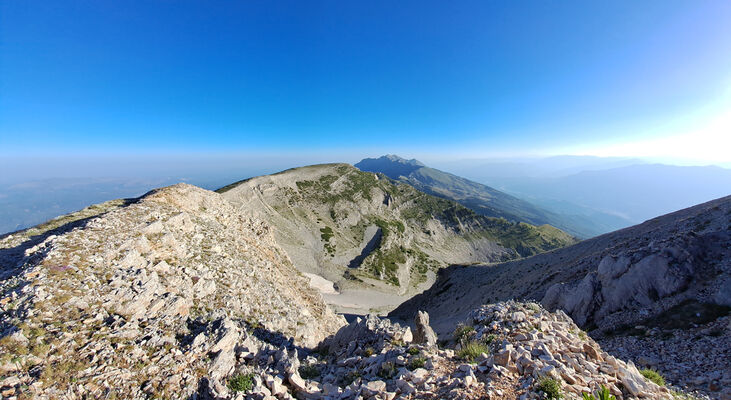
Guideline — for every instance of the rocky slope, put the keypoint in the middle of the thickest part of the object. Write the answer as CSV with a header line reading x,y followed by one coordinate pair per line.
x,y
180,294
521,347
646,291
146,297
359,232
483,199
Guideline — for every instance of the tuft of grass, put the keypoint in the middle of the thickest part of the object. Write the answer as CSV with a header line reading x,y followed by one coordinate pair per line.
x,y
550,387
417,362
309,372
241,383
413,351
471,350
463,332
62,374
387,370
601,394
653,376
368,351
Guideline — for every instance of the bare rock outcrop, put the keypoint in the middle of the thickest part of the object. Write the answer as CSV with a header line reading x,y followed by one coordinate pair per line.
x,y
633,278
423,333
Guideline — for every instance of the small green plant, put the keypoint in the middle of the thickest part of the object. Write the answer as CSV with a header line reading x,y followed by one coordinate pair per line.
x,y
368,351
241,382
417,362
387,370
413,351
309,371
463,332
471,350
601,394
489,338
653,376
398,343
550,387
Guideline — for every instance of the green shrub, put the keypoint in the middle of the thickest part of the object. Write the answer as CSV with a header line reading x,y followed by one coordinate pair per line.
x,y
463,332
550,387
241,382
387,370
602,394
368,351
309,372
326,233
471,350
413,351
653,376
417,362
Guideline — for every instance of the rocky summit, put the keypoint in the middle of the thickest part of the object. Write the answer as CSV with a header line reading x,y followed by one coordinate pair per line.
x,y
185,293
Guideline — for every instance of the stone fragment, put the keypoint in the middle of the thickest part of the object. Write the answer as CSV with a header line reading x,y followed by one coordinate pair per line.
x,y
423,333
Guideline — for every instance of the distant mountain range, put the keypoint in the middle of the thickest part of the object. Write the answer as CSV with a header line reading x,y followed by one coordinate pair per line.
x,y
481,198
610,194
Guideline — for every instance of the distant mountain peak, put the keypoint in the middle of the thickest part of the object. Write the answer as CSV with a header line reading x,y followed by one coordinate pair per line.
x,y
394,158
391,165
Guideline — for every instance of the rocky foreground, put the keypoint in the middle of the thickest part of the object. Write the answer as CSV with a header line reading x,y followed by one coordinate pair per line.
x,y
513,351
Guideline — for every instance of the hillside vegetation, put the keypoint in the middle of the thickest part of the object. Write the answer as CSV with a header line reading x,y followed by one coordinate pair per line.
x,y
364,230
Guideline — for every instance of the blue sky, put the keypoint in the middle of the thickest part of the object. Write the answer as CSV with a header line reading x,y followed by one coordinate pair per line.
x,y
456,79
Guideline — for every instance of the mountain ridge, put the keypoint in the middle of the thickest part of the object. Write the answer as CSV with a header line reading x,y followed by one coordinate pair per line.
x,y
481,198
331,216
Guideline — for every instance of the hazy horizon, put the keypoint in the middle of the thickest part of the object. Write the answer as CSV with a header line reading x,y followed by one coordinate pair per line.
x,y
194,167
106,99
